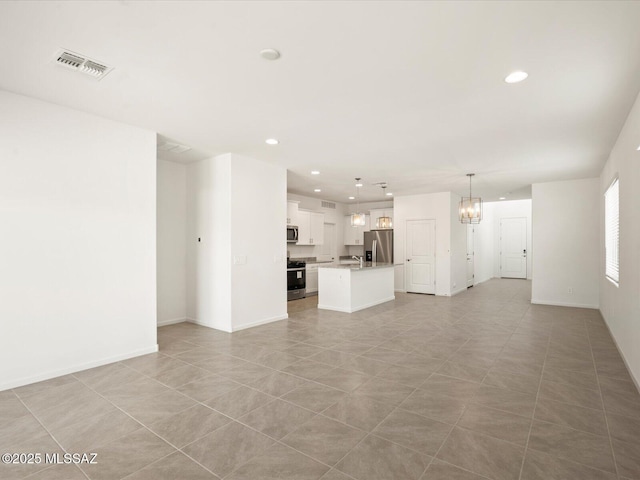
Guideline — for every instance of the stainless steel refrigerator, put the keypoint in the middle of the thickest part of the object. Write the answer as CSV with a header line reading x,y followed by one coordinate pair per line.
x,y
378,246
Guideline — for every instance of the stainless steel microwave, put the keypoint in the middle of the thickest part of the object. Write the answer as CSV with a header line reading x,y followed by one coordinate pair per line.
x,y
292,234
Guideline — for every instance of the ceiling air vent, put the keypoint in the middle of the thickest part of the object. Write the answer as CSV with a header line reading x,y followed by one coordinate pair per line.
x,y
94,69
173,147
69,60
82,64
328,205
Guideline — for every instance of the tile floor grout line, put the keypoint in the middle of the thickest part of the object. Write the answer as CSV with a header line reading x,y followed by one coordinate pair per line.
x,y
237,420
435,455
455,324
533,416
46,430
606,420
470,399
370,433
145,427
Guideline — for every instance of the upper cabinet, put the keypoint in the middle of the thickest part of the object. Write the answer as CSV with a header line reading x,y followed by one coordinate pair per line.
x,y
355,235
292,213
310,228
380,212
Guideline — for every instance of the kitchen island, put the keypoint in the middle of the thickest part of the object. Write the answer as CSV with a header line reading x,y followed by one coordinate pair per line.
x,y
349,288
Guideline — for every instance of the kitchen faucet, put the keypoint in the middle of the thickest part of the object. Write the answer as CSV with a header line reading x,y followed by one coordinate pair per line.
x,y
358,258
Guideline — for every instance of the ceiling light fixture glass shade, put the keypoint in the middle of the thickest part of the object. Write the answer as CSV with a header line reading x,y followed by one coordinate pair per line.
x,y
470,208
358,219
384,221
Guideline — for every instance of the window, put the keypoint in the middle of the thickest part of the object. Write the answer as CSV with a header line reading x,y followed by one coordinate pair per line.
x,y
612,232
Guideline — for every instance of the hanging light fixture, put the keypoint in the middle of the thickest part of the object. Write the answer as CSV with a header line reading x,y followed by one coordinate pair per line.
x,y
470,207
384,221
358,219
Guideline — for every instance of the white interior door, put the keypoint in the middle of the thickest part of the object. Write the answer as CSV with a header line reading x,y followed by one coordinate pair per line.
x,y
421,256
328,248
470,256
513,247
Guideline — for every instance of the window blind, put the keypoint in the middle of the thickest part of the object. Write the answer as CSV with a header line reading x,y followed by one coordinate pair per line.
x,y
612,231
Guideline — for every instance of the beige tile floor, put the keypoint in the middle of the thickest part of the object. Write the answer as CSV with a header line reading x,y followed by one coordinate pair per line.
x,y
481,385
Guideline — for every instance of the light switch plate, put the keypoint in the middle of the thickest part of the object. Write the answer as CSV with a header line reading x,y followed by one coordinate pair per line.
x,y
239,259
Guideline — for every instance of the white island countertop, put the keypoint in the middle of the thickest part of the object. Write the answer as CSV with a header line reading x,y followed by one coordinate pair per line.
x,y
349,288
366,266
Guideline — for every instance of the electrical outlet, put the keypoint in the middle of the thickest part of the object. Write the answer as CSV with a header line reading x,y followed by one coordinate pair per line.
x,y
570,290
239,259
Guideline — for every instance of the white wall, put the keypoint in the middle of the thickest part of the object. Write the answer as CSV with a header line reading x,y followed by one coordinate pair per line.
x,y
620,306
484,245
259,228
458,281
78,229
565,239
171,238
236,273
417,207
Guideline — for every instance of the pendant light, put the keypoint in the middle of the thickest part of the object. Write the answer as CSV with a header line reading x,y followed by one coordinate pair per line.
x,y
358,219
470,207
384,221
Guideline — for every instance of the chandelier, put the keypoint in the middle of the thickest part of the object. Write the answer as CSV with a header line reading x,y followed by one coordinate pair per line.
x,y
470,207
384,221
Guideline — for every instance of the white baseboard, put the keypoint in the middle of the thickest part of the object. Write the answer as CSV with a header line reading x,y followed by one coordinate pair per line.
x,y
460,290
335,309
241,327
171,321
400,290
19,382
537,301
203,324
357,309
624,359
261,322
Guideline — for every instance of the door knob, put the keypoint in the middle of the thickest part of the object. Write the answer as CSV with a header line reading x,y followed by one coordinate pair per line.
x,y
408,259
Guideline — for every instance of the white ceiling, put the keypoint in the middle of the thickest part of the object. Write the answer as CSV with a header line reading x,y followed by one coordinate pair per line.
x,y
410,93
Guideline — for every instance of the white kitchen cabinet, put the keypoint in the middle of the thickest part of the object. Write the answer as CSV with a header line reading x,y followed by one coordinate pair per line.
x,y
317,228
380,212
355,235
312,278
310,228
292,213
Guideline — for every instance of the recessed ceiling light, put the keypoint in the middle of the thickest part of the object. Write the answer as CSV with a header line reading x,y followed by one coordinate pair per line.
x,y
389,194
502,198
317,190
270,54
271,141
352,198
516,77
358,184
315,172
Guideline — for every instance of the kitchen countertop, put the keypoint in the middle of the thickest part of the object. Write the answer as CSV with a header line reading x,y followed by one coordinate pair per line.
x,y
366,266
311,260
